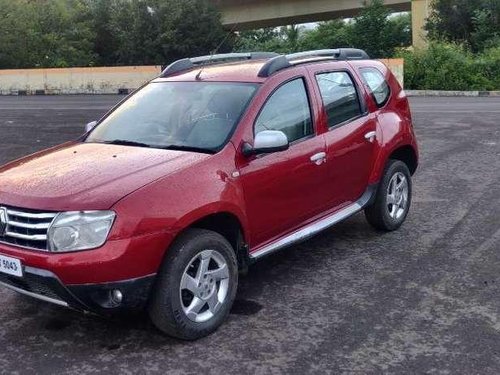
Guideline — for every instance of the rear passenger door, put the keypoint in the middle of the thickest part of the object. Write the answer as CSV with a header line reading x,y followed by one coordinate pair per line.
x,y
350,137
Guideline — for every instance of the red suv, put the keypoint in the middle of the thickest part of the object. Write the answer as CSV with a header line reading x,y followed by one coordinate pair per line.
x,y
216,163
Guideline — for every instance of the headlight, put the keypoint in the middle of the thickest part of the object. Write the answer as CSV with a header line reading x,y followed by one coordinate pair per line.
x,y
73,231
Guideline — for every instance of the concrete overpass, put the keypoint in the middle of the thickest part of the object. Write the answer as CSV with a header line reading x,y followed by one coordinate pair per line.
x,y
253,14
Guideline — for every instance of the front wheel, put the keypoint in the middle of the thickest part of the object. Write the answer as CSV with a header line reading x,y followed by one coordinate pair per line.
x,y
393,198
196,286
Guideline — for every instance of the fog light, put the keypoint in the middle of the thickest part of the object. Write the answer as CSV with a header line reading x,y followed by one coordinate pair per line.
x,y
116,296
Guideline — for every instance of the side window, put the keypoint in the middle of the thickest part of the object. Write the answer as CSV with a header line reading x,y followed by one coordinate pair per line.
x,y
377,84
340,97
287,110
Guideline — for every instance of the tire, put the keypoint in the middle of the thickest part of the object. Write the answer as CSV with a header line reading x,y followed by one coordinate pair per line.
x,y
185,312
382,214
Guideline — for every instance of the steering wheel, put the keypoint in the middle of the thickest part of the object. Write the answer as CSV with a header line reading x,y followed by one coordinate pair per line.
x,y
154,131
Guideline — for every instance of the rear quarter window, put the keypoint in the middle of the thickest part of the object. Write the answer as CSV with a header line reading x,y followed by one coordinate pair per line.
x,y
379,88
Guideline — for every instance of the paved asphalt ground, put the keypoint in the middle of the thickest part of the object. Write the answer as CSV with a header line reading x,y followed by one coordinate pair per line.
x,y
424,299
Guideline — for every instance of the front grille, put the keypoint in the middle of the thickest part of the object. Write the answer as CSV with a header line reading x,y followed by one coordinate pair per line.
x,y
27,228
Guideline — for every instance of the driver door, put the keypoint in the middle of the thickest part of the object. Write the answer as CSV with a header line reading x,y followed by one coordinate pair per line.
x,y
284,189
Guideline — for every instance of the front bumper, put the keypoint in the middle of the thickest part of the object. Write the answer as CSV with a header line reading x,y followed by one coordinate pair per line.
x,y
96,298
122,259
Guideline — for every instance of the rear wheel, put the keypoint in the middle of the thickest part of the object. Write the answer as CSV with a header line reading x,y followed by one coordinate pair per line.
x,y
393,198
196,286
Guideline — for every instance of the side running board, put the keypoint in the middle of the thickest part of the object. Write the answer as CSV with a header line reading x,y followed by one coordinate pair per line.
x,y
316,227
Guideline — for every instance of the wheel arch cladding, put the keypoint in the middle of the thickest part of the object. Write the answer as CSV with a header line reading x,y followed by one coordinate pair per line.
x,y
407,155
228,226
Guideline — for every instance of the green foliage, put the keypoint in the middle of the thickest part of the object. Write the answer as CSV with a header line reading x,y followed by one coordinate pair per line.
x,y
40,34
106,41
330,34
446,66
464,49
489,64
376,33
64,33
160,31
256,40
59,33
475,23
285,39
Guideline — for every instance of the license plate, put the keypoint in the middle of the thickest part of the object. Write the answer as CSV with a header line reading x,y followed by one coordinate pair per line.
x,y
11,266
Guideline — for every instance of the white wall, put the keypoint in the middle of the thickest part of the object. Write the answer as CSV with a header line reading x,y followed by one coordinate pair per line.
x,y
102,80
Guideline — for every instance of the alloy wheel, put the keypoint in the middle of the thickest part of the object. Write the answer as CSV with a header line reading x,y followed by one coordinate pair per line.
x,y
204,286
397,196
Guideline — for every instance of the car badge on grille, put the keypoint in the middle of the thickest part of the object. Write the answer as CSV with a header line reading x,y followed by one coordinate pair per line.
x,y
3,220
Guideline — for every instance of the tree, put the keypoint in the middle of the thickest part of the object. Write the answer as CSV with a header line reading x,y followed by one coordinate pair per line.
x,y
399,32
42,34
285,39
64,34
486,31
160,31
59,33
106,39
16,25
472,22
373,30
330,34
190,28
291,35
134,27
256,40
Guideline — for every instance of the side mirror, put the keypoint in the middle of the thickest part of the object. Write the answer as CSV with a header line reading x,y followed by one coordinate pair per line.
x,y
266,142
90,126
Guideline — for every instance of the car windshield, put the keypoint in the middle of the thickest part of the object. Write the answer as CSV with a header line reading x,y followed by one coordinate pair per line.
x,y
195,116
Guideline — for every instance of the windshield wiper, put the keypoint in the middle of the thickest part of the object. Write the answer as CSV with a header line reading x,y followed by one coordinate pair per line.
x,y
123,142
188,148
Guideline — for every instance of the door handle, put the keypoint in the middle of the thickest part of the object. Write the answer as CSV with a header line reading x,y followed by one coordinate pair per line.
x,y
319,158
371,136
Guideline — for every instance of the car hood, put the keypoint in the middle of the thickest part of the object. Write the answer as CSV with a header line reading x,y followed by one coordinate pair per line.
x,y
86,176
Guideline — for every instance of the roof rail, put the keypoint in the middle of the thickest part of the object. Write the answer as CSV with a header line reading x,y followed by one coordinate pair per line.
x,y
188,64
285,61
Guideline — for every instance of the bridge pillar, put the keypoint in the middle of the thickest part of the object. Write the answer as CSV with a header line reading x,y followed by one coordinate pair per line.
x,y
420,10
